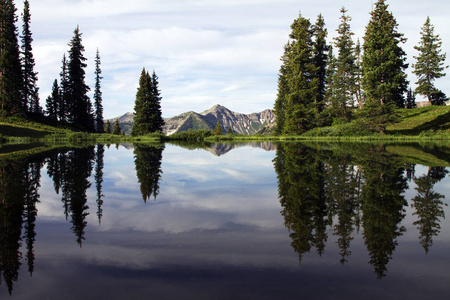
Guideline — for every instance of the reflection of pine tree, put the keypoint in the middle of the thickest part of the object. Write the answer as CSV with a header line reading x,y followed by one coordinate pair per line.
x,y
429,205
302,196
70,172
343,179
382,207
147,160
11,212
99,179
76,183
32,177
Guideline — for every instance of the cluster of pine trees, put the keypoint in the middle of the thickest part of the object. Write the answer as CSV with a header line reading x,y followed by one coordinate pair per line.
x,y
147,107
19,93
321,84
69,102
18,89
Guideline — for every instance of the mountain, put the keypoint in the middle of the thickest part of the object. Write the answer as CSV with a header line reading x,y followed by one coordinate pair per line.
x,y
239,123
125,122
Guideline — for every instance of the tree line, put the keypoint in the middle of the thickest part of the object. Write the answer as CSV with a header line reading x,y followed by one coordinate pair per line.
x,y
19,93
68,102
321,84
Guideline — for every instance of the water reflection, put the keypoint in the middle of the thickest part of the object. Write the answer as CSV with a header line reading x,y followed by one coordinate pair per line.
x,y
362,189
147,160
329,195
429,205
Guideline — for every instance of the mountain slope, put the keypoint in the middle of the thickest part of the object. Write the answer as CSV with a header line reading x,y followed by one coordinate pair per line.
x,y
239,123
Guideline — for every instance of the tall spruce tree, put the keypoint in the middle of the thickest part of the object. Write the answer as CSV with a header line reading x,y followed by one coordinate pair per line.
x,y
321,49
64,103
283,91
157,120
30,89
429,64
11,82
81,113
301,107
99,124
410,99
344,77
147,107
52,102
116,128
384,61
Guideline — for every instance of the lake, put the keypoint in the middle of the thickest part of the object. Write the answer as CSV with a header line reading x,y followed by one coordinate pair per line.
x,y
226,221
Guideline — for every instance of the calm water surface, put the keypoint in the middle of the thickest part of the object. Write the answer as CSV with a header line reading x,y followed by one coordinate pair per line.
x,y
259,221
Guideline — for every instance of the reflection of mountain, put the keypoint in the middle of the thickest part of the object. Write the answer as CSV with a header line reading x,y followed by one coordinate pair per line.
x,y
221,149
348,192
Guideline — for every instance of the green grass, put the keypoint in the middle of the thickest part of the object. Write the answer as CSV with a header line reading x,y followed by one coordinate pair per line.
x,y
428,123
434,119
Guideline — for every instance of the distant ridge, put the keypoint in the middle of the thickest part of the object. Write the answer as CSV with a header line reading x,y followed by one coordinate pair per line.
x,y
239,123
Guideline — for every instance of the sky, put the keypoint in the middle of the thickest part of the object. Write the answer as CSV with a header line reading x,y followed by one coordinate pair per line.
x,y
205,52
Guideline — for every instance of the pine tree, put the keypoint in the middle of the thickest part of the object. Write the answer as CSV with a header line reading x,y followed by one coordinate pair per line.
x,y
147,107
64,104
157,120
11,82
30,88
99,124
283,91
320,60
81,113
430,62
108,127
218,129
141,106
410,99
344,77
301,107
384,61
116,128
52,102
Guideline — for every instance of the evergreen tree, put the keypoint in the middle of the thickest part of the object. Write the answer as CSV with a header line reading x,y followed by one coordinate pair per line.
x,y
30,88
157,120
438,98
108,127
410,99
64,103
330,87
302,82
320,60
384,61
52,102
147,107
430,62
99,125
81,113
283,91
11,82
116,128
344,77
218,130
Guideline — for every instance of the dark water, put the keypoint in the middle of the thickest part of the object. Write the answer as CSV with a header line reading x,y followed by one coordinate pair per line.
x,y
259,221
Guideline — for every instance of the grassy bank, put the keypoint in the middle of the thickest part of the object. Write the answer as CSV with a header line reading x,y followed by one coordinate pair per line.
x,y
427,123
